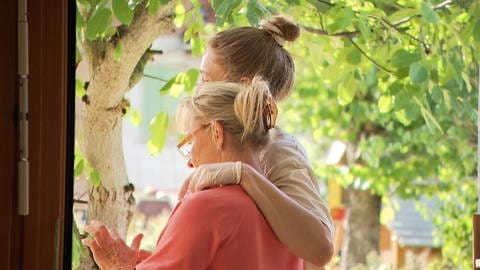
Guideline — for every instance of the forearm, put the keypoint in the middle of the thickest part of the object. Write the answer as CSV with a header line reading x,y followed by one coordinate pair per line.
x,y
300,230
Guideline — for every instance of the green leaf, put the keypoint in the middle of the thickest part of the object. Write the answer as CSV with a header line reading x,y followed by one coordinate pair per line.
x,y
466,81
153,6
333,73
347,90
78,56
385,104
418,73
193,28
135,117
428,14
224,8
197,45
320,6
476,30
164,2
343,18
401,14
75,254
168,85
255,11
158,133
176,90
179,15
428,116
80,22
78,249
436,94
402,117
78,170
446,98
102,3
79,88
403,58
354,57
117,54
98,23
111,30
190,79
94,178
365,29
122,11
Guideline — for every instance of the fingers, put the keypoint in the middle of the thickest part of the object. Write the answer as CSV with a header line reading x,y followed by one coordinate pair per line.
x,y
136,241
89,243
93,246
115,235
100,233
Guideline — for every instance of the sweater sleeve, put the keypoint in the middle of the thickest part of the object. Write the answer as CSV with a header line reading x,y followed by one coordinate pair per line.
x,y
290,200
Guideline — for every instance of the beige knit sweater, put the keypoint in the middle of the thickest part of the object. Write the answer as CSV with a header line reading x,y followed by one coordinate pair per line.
x,y
290,198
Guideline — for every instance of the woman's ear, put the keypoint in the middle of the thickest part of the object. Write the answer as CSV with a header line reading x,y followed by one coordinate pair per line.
x,y
218,134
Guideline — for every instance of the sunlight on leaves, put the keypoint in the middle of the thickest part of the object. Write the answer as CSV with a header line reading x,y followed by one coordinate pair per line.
x,y
158,133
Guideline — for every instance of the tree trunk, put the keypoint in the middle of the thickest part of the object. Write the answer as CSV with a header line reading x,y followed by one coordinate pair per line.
x,y
362,232
112,201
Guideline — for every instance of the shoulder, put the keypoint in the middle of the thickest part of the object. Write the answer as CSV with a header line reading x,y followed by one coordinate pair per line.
x,y
217,201
280,140
283,148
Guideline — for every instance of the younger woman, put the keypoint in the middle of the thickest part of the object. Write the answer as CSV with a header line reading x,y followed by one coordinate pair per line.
x,y
288,194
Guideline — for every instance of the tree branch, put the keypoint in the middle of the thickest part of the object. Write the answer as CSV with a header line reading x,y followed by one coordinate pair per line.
x,y
407,19
154,77
371,59
114,78
395,27
351,34
325,33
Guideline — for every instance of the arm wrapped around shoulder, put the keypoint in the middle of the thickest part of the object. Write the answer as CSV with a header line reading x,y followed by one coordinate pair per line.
x,y
212,175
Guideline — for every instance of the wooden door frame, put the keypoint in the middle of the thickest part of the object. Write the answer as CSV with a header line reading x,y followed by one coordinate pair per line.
x,y
42,239
8,96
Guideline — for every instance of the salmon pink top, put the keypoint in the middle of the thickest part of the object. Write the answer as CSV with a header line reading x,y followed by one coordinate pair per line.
x,y
219,228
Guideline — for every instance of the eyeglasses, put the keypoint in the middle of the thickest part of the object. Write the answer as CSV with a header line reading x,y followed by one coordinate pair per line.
x,y
185,146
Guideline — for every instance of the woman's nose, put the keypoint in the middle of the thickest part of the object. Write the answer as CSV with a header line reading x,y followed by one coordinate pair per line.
x,y
190,164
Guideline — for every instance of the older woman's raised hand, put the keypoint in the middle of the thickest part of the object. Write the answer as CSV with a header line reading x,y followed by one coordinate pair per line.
x,y
212,175
108,248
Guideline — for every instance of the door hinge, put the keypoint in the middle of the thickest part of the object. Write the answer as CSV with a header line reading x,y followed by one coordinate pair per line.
x,y
22,117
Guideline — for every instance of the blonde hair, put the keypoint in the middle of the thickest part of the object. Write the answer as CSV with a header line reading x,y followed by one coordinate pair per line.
x,y
250,51
238,107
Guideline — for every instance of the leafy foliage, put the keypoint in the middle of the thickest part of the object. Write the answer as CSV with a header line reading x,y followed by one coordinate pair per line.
x,y
83,169
395,79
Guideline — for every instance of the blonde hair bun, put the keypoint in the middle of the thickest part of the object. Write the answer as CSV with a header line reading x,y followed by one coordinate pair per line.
x,y
281,28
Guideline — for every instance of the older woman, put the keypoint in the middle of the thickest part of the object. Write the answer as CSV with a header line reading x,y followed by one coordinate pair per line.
x,y
217,228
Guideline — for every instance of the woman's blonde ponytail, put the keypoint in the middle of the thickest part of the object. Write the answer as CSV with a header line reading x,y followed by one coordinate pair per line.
x,y
249,106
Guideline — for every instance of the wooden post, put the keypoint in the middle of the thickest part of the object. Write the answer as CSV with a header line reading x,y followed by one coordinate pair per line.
x,y
476,241
476,216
